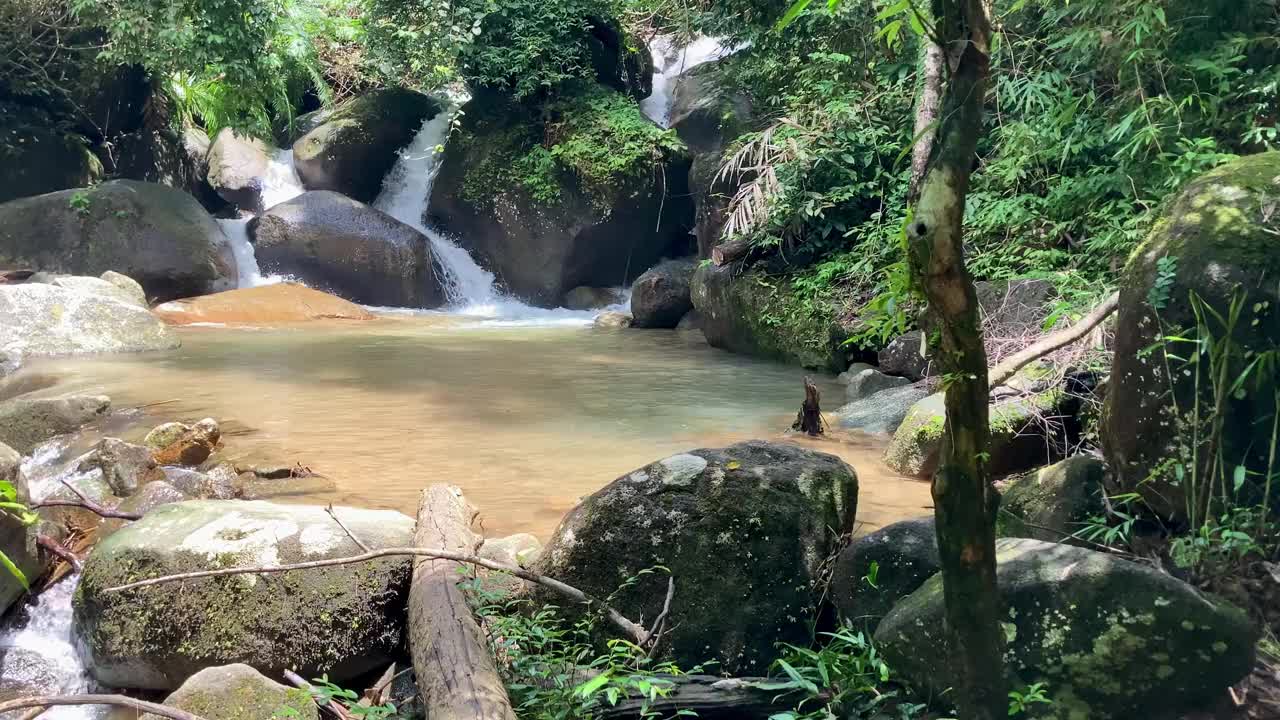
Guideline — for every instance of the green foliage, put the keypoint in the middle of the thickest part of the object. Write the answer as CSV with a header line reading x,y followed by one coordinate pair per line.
x,y
11,507
324,692
1024,701
81,202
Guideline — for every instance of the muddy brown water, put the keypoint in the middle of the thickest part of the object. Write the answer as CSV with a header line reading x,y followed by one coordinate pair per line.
x,y
527,420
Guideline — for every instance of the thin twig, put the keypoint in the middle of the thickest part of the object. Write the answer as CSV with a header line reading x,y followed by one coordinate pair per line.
x,y
47,701
85,504
56,548
346,529
637,633
655,631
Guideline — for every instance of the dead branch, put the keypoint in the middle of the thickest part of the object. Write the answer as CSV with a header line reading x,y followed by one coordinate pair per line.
x,y
730,251
56,548
1007,368
331,708
345,529
809,419
633,631
141,706
86,504
659,623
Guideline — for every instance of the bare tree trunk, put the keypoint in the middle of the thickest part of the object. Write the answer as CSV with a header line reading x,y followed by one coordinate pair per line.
x,y
964,499
456,675
927,105
809,419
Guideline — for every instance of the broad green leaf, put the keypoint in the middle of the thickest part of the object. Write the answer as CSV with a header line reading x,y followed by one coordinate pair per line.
x,y
793,12
14,571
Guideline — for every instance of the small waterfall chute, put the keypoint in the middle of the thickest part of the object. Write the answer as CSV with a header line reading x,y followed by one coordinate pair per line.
x,y
670,61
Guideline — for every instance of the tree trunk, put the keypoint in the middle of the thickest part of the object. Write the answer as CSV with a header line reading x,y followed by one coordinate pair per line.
x,y
730,251
456,676
964,500
927,105
809,419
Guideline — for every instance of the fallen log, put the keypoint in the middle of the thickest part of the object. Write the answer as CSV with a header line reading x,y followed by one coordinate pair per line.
x,y
1007,368
456,675
712,698
730,251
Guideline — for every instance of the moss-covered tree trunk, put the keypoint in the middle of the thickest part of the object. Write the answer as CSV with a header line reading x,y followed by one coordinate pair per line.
x,y
965,502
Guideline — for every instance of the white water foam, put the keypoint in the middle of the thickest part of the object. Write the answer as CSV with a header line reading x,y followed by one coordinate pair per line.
x,y
250,275
281,183
669,62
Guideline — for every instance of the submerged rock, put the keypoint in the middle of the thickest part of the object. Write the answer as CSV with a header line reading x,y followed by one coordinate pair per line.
x,y
660,296
27,422
1054,502
343,621
337,244
356,144
744,530
875,571
1109,638
238,692
156,235
39,319
615,320
266,305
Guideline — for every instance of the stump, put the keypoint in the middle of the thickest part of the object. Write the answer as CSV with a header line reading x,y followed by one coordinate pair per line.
x,y
809,419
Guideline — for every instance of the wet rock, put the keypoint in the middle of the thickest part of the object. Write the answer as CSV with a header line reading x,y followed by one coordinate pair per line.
x,y
746,527
691,322
162,436
150,497
10,361
1054,502
358,142
660,296
1219,239
238,167
875,571
621,61
126,285
613,320
27,422
124,466
39,319
214,485
252,487
1109,638
26,672
344,621
1019,439
902,357
238,692
863,381
192,447
591,298
267,305
10,460
521,550
157,235
339,245
883,412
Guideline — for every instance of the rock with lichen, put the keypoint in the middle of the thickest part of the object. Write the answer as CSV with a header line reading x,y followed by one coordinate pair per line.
x,y
1053,503
192,447
873,572
343,621
1218,240
126,467
27,422
1107,637
238,692
744,531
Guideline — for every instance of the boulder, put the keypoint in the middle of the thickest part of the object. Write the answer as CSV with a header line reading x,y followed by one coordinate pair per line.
x,y
192,447
213,485
874,572
168,157
238,692
744,529
343,621
103,289
691,322
45,161
27,422
1054,502
881,413
265,305
237,168
749,312
164,435
1108,638
10,361
660,297
157,235
355,146
150,497
620,61
520,550
124,466
1019,438
902,357
39,319
339,245
613,320
863,381
543,228
591,298
10,461
1220,239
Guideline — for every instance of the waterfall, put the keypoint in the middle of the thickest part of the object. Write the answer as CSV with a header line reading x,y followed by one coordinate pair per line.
x,y
41,652
669,62
281,183
237,232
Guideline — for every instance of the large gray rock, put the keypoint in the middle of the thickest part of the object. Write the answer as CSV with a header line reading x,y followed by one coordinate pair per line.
x,y
168,157
151,496
27,422
1054,502
355,146
237,169
863,381
156,235
341,246
238,692
343,621
745,530
875,571
39,319
111,286
124,466
1108,638
1219,239
881,413
902,357
660,296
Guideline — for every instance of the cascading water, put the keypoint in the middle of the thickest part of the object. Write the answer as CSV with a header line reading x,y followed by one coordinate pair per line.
x,y
669,62
280,184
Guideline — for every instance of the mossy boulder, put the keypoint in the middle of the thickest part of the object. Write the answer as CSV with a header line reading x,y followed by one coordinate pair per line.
x,y
333,243
875,571
1219,239
28,422
584,191
42,319
342,621
1020,438
358,143
1054,502
238,692
753,313
882,412
660,296
155,234
744,530
39,161
1109,638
